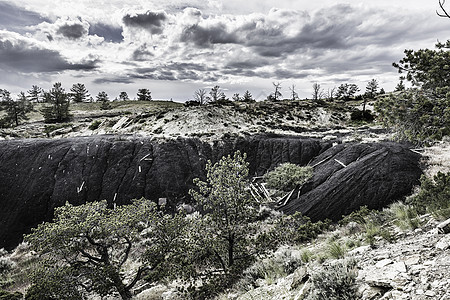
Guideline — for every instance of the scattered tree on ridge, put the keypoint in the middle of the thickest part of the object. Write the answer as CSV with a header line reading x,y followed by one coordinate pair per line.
x,y
276,95
58,108
236,97
16,111
144,95
248,97
104,99
216,94
400,86
79,93
346,91
200,96
123,96
318,93
294,94
371,92
34,94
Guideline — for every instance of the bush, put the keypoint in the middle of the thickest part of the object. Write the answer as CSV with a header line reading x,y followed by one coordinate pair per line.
x,y
335,250
434,196
4,295
359,115
416,116
94,125
335,282
288,176
406,216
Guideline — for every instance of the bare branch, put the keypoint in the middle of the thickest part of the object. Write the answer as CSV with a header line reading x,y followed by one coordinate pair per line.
x,y
445,14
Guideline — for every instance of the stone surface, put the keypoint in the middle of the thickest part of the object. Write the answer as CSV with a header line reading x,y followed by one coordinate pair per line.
x,y
444,227
374,174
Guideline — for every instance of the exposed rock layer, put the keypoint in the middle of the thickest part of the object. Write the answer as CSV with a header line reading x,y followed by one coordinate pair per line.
x,y
38,175
350,175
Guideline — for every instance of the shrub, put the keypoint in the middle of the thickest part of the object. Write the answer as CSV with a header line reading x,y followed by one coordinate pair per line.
x,y
288,176
335,282
406,216
433,196
335,250
4,295
94,125
299,229
416,116
359,115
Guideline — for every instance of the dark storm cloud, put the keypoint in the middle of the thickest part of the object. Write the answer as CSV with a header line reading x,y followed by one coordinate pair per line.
x,y
118,79
109,33
25,58
142,53
206,36
151,21
15,18
72,31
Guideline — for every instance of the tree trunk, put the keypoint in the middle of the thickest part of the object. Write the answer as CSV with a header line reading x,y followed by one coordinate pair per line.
x,y
120,286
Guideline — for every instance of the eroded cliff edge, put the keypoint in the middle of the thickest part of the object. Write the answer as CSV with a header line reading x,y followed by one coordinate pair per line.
x,y
40,174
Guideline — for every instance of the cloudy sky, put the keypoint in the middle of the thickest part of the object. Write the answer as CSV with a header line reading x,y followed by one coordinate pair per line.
x,y
174,47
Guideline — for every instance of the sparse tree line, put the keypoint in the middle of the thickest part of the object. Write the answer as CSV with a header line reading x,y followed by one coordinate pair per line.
x,y
57,102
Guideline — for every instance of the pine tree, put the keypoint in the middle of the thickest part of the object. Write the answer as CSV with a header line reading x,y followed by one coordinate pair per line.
x,y
79,93
58,110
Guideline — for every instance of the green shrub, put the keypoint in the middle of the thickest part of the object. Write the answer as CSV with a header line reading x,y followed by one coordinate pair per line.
x,y
94,125
405,216
288,176
433,196
416,116
4,295
335,282
306,256
295,229
359,216
335,250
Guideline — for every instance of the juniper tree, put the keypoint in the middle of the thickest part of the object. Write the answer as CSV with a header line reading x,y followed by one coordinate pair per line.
x,y
16,111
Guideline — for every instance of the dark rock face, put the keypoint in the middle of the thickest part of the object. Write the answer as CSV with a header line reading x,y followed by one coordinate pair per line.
x,y
374,175
38,175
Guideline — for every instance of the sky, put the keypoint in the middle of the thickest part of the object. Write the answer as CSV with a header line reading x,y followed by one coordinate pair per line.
x,y
175,47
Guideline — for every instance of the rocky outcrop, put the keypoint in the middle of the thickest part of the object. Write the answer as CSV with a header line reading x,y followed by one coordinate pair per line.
x,y
37,175
350,175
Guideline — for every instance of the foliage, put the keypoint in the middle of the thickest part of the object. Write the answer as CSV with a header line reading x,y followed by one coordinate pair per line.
x,y
58,110
79,93
336,250
35,93
296,229
216,94
335,282
144,95
16,111
94,125
346,91
123,96
247,97
51,281
92,242
434,195
288,176
229,210
405,216
104,99
416,116
371,89
4,295
427,68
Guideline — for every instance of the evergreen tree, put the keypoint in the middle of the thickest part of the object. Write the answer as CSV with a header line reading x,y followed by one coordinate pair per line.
x,y
58,110
144,95
248,97
123,96
79,93
16,111
35,93
104,99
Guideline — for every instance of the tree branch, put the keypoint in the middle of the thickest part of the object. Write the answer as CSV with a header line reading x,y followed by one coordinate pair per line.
x,y
445,15
138,276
